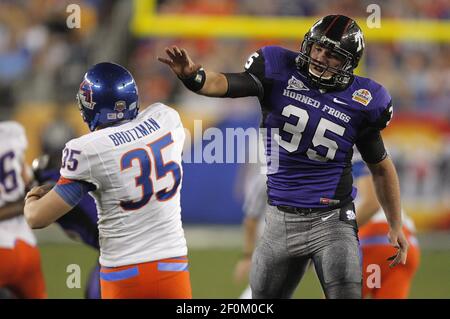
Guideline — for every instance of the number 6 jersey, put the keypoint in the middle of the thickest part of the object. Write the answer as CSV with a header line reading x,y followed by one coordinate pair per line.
x,y
12,186
312,131
134,171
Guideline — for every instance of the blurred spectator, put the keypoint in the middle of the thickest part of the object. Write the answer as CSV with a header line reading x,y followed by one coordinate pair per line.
x,y
42,62
38,52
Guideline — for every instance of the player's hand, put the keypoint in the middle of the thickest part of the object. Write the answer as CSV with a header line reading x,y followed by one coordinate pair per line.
x,y
38,191
242,269
398,240
180,62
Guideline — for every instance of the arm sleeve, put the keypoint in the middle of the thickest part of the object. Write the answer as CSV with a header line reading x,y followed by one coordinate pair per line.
x,y
252,81
371,146
243,84
73,191
382,116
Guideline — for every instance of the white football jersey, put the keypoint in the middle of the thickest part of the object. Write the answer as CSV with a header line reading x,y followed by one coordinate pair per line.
x,y
12,188
136,168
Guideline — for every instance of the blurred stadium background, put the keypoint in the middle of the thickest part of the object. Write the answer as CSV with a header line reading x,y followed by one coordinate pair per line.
x,y
42,62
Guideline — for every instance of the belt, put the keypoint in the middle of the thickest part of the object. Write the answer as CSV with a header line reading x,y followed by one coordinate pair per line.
x,y
303,211
306,211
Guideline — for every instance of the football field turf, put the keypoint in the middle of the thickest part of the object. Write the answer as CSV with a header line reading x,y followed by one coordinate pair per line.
x,y
211,273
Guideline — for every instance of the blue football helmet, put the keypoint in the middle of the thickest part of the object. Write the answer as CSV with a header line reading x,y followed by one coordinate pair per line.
x,y
107,94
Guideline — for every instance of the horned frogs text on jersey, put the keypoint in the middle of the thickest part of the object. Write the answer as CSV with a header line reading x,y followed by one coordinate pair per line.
x,y
136,169
313,131
12,187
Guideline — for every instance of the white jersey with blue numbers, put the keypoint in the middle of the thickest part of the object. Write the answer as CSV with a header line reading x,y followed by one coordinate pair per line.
x,y
12,187
136,169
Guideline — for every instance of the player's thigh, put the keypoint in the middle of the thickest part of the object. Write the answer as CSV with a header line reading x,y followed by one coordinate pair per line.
x,y
122,283
337,262
275,277
173,281
371,269
393,282
8,266
274,272
31,284
394,285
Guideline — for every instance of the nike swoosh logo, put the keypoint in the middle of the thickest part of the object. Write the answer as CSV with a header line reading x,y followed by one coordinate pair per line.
x,y
335,100
328,217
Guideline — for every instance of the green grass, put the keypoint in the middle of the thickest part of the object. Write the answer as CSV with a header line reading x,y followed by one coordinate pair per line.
x,y
211,273
56,257
432,280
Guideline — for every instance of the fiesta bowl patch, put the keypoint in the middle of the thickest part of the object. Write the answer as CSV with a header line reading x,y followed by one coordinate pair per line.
x,y
362,96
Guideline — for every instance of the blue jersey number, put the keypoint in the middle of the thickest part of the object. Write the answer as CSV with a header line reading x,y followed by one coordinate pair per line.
x,y
8,178
69,159
144,180
162,169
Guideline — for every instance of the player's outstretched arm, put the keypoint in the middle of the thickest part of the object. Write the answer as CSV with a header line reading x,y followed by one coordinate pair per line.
x,y
209,83
213,84
388,192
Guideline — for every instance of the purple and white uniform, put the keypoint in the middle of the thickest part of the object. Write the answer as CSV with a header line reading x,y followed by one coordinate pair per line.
x,y
315,130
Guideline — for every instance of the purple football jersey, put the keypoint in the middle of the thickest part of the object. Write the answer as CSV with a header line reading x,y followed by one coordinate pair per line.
x,y
313,131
